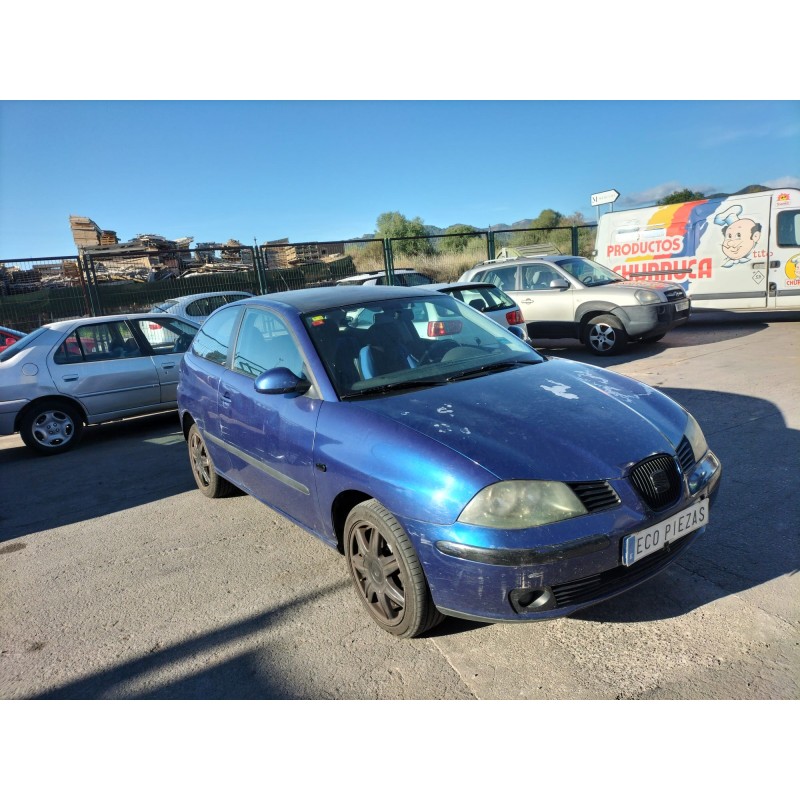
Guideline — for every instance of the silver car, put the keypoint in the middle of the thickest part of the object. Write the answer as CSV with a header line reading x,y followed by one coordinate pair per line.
x,y
77,372
569,296
402,277
487,298
196,307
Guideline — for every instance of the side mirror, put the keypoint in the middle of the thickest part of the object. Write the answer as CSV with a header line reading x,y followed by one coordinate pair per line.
x,y
518,332
281,380
559,283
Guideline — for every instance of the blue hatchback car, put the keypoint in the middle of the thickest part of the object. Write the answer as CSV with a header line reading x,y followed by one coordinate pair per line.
x,y
459,471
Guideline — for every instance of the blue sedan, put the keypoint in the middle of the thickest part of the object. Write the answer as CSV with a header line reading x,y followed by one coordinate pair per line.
x,y
460,472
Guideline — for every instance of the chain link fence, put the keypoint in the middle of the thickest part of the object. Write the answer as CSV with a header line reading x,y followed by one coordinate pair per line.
x,y
123,279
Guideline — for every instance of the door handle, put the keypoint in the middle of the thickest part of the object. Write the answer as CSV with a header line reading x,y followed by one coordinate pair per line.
x,y
69,378
225,400
167,366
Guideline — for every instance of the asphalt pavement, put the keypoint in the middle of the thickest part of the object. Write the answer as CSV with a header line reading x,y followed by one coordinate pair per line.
x,y
119,580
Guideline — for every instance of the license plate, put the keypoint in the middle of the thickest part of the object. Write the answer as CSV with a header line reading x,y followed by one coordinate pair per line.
x,y
650,540
681,305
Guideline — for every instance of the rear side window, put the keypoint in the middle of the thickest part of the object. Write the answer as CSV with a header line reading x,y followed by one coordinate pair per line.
x,y
214,339
106,341
789,229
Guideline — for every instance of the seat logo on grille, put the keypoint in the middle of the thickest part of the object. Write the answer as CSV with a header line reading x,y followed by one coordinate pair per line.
x,y
659,480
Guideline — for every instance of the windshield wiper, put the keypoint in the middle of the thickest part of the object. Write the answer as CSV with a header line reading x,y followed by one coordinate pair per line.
x,y
502,366
393,387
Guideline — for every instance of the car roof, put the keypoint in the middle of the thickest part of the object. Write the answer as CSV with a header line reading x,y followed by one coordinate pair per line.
x,y
461,285
318,299
554,257
186,298
65,324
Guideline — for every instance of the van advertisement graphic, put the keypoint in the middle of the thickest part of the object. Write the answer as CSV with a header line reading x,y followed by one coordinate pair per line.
x,y
666,241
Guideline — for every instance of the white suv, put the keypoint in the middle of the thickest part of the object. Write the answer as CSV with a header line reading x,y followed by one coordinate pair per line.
x,y
563,296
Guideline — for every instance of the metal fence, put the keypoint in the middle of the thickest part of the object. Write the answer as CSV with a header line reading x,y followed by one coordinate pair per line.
x,y
34,291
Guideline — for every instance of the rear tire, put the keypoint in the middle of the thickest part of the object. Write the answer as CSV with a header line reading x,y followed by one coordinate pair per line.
x,y
386,572
605,335
51,427
205,475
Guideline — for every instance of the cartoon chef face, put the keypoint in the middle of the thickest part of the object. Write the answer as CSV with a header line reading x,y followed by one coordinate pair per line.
x,y
739,238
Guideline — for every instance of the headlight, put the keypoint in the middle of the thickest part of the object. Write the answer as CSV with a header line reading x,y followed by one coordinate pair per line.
x,y
646,297
696,438
703,472
522,504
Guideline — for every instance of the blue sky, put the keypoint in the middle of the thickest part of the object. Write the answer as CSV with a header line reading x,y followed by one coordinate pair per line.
x,y
265,122
325,170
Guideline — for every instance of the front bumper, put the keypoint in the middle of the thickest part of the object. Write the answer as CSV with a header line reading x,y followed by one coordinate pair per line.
x,y
580,564
653,320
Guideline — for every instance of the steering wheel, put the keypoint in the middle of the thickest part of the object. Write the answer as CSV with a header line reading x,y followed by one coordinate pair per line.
x,y
435,351
588,280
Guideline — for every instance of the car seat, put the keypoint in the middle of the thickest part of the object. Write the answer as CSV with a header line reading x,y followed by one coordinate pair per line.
x,y
385,351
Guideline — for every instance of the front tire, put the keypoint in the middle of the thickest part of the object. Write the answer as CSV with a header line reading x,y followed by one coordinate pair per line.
x,y
51,427
386,572
605,335
205,475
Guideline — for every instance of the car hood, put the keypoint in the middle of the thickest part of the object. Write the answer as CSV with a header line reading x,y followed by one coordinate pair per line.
x,y
557,420
658,286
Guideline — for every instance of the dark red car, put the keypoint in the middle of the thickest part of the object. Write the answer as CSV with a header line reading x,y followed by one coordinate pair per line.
x,y
8,336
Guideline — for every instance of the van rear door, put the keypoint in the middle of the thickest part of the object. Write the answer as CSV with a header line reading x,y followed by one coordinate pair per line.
x,y
784,251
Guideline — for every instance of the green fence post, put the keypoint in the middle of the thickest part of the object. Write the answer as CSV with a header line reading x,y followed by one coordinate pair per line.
x,y
575,245
490,245
90,276
388,261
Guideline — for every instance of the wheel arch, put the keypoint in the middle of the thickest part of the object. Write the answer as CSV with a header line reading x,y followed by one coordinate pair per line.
x,y
586,312
49,398
187,420
342,505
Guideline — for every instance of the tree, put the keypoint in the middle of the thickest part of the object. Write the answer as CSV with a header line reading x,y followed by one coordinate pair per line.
x,y
393,225
682,196
455,244
547,219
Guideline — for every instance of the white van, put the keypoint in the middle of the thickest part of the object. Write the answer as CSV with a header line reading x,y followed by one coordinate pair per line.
x,y
735,252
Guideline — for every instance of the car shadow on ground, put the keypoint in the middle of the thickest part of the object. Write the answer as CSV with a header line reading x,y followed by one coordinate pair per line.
x,y
116,466
760,458
705,327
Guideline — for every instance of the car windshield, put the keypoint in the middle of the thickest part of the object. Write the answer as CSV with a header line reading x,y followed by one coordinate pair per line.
x,y
21,344
412,343
590,273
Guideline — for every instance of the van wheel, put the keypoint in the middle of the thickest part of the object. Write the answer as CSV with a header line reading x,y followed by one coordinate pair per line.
x,y
386,572
51,427
605,335
205,476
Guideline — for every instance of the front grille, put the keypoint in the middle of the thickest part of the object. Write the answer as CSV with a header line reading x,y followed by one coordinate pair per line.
x,y
595,495
674,294
685,456
587,589
658,481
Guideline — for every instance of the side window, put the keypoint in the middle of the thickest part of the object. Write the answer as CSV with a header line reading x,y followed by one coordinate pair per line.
x,y
789,229
538,276
265,343
504,277
214,339
104,342
165,335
